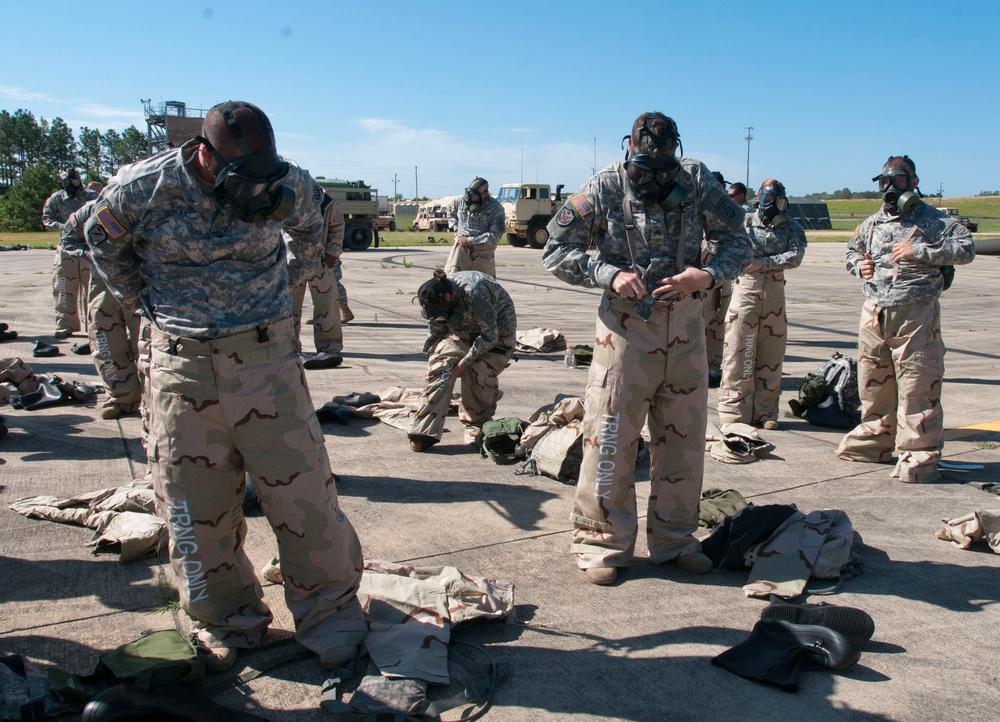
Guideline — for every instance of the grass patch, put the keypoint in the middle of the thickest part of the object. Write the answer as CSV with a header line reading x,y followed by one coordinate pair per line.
x,y
170,598
987,445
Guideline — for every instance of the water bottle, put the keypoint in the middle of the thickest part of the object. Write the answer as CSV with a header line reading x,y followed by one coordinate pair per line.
x,y
568,358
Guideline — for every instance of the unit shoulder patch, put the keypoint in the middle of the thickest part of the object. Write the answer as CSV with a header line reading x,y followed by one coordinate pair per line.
x,y
564,217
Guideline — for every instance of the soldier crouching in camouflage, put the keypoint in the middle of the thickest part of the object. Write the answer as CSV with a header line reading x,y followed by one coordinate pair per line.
x,y
328,335
207,239
756,327
113,331
472,329
900,254
480,225
647,216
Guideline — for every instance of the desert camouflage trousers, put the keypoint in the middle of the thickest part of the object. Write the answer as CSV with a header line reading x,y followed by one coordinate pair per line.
x,y
756,333
70,284
466,258
654,370
338,274
480,388
114,343
716,304
900,369
240,403
328,335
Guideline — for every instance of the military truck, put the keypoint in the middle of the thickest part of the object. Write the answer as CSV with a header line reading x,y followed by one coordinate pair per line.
x,y
359,204
386,220
436,216
962,220
528,208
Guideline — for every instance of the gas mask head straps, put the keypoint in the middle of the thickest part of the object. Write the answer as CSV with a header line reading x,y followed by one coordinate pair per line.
x,y
650,160
898,184
475,195
772,203
248,176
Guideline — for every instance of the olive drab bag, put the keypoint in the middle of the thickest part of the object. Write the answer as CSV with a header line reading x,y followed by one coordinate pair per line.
x,y
151,662
501,440
829,396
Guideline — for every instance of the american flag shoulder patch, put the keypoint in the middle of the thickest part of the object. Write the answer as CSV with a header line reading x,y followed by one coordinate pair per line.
x,y
107,219
582,205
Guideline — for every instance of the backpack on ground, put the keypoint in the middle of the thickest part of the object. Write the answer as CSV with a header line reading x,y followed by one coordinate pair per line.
x,y
829,395
501,440
558,454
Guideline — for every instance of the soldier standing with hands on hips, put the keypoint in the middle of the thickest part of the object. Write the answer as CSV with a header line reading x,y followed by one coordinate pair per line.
x,y
207,240
647,217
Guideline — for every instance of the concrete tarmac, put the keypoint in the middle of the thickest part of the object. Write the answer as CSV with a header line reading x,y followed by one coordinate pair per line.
x,y
639,650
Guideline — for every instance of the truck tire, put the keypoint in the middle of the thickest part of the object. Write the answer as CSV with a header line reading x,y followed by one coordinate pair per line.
x,y
392,226
516,241
357,236
538,234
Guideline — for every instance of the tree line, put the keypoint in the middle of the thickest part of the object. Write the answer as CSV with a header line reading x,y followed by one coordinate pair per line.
x,y
32,152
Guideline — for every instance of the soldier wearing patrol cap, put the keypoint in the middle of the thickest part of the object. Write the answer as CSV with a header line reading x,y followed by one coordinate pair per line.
x,y
902,254
756,327
70,273
480,225
647,217
206,240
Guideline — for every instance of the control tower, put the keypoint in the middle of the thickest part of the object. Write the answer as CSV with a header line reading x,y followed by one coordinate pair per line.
x,y
170,124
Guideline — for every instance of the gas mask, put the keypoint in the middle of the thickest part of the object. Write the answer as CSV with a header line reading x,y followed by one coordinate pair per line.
x,y
71,183
772,207
474,200
896,186
655,179
252,185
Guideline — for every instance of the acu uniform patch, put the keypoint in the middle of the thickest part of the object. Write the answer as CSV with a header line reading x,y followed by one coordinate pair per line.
x,y
564,217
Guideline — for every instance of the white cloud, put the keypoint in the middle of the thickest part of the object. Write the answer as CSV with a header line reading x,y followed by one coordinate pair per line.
x,y
445,162
17,93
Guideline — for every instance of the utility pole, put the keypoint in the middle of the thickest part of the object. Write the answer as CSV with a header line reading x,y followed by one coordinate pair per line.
x,y
748,139
395,183
416,184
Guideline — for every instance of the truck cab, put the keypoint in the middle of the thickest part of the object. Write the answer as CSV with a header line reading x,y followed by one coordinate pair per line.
x,y
527,209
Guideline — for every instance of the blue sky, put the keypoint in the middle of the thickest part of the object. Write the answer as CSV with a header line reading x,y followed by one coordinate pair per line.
x,y
522,89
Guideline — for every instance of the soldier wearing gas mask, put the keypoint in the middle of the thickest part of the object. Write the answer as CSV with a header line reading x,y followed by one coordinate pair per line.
x,y
901,254
480,225
206,240
70,271
472,330
647,217
756,327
